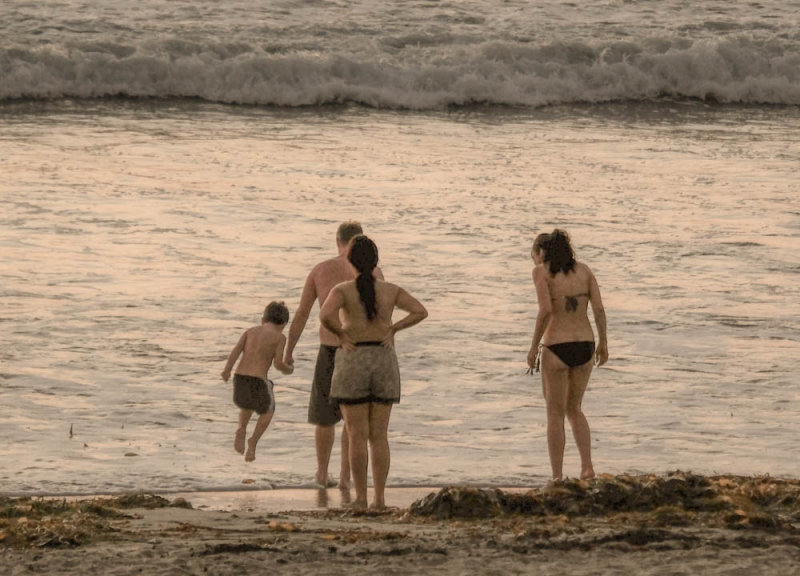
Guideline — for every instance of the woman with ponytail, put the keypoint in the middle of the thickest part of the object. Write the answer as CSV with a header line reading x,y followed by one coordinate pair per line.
x,y
366,377
563,344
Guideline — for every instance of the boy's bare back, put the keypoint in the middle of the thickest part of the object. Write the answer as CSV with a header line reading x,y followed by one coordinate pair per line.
x,y
261,346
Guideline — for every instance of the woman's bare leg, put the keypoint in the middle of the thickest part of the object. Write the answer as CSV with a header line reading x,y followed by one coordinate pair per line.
x,y
555,381
356,417
578,381
379,450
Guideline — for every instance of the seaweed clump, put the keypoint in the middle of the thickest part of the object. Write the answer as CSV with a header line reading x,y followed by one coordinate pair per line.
x,y
678,498
55,523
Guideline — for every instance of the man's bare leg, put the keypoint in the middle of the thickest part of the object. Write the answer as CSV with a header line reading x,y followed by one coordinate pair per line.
x,y
324,437
261,426
241,431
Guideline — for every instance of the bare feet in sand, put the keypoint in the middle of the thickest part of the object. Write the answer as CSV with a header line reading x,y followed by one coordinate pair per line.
x,y
238,441
251,451
329,483
357,506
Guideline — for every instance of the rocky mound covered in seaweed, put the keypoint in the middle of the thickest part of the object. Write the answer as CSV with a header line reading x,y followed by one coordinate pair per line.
x,y
46,522
649,525
673,500
679,511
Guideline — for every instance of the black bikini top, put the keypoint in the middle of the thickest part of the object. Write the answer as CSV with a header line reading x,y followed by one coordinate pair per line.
x,y
572,301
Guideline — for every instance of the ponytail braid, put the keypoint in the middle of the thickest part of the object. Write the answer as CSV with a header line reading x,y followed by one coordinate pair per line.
x,y
363,255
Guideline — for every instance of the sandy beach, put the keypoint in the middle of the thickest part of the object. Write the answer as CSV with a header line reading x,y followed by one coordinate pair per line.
x,y
675,524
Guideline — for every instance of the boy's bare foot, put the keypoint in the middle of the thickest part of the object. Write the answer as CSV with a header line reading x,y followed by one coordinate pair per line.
x,y
587,475
251,451
344,483
238,441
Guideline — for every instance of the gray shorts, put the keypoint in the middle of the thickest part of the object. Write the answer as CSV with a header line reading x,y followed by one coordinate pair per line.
x,y
322,409
367,374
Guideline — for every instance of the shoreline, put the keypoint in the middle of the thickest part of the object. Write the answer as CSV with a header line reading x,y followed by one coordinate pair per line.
x,y
300,498
646,524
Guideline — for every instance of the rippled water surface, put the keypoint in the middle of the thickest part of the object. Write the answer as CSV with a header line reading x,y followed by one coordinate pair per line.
x,y
139,238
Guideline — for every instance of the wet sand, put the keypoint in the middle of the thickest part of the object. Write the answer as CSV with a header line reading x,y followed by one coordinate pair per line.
x,y
298,499
679,524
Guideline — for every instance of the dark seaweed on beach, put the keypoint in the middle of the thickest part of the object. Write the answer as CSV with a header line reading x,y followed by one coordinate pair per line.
x,y
676,499
49,522
148,501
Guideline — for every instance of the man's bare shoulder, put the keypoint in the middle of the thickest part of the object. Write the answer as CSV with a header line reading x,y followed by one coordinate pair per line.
x,y
327,274
326,267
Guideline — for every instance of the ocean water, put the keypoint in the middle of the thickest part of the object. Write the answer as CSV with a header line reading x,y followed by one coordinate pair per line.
x,y
168,168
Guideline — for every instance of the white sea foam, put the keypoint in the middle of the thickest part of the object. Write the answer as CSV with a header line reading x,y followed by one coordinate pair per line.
x,y
425,56
503,73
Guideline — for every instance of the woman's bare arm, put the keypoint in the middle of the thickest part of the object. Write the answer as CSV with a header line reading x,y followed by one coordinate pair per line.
x,y
329,316
599,312
416,313
545,311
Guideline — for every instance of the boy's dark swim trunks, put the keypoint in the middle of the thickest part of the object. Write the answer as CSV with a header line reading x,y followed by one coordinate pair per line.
x,y
251,393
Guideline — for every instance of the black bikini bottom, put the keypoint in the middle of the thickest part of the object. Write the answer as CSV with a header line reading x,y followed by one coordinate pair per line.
x,y
573,354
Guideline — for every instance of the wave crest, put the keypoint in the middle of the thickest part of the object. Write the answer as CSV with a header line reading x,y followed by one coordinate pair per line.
x,y
732,70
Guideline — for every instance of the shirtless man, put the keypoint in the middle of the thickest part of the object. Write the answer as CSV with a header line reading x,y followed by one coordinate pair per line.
x,y
322,412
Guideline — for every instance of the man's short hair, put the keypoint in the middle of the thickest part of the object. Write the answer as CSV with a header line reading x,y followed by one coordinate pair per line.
x,y
276,313
347,230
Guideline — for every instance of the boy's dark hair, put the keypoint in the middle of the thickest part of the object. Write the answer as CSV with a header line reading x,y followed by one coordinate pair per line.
x,y
276,313
347,230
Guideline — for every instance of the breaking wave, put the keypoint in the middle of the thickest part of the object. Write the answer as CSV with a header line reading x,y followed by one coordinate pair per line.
x,y
414,76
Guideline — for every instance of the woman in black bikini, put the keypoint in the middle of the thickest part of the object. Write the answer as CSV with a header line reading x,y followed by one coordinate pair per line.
x,y
563,344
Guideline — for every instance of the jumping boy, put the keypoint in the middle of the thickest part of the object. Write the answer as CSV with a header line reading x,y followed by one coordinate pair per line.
x,y
260,347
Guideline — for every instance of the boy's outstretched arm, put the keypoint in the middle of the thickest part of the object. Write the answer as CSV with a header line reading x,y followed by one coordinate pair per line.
x,y
237,350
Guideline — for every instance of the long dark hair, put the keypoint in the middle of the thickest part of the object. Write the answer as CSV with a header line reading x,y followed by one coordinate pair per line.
x,y
558,252
363,255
